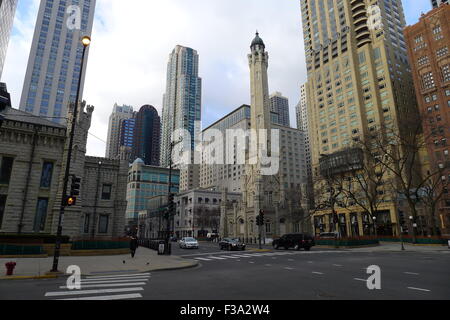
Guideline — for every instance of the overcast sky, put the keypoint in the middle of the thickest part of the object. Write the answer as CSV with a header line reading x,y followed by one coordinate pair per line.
x,y
132,41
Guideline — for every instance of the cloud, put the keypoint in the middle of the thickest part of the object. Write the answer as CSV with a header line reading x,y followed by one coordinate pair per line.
x,y
132,41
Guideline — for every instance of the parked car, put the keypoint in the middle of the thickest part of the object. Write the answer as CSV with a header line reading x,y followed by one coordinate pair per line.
x,y
188,243
232,245
295,241
330,235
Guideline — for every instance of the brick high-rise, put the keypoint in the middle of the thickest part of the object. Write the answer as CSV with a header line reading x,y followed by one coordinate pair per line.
x,y
428,45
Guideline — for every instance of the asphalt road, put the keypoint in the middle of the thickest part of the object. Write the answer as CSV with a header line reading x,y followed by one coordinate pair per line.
x,y
252,275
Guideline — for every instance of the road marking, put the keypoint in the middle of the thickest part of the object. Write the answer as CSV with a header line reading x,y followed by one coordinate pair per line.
x,y
119,276
229,257
251,262
412,273
114,281
104,298
216,258
319,273
203,259
291,260
337,265
363,280
268,265
109,285
418,289
290,269
85,292
114,278
310,262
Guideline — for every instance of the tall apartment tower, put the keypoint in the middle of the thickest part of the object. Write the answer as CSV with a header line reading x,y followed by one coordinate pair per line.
x,y
437,3
303,124
359,81
119,114
7,11
147,136
54,63
428,45
280,106
182,108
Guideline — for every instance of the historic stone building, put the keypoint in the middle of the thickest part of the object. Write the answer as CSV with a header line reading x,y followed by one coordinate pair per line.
x,y
33,154
280,201
104,197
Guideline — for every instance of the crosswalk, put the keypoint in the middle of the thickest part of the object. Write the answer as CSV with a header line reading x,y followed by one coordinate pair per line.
x,y
212,258
111,287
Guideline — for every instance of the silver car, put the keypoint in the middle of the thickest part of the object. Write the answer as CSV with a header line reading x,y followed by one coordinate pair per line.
x,y
188,243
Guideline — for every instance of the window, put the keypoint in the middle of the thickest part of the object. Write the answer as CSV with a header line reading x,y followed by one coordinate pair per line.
x,y
46,176
6,169
2,208
106,192
41,215
428,80
446,73
103,224
86,223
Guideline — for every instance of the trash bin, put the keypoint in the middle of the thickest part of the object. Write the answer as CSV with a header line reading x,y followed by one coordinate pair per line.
x,y
449,244
161,248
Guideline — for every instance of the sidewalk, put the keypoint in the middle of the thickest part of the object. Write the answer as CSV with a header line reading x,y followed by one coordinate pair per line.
x,y
146,260
397,247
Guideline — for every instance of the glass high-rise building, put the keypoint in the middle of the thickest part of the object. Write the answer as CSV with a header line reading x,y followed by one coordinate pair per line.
x,y
147,136
182,108
359,81
280,106
7,11
54,64
119,114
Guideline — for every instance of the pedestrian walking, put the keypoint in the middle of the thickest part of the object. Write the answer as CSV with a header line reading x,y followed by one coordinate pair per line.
x,y
133,246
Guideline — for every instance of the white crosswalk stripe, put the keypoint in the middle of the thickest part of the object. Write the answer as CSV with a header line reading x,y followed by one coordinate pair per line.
x,y
111,287
236,256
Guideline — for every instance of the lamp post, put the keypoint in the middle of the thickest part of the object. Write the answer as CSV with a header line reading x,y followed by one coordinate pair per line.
x,y
86,41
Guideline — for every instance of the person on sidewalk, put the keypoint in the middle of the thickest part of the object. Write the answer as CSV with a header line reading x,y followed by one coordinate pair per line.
x,y
133,246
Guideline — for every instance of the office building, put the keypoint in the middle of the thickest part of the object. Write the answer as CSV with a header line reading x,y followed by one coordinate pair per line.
x,y
280,107
144,183
359,81
119,114
54,64
428,46
147,136
7,12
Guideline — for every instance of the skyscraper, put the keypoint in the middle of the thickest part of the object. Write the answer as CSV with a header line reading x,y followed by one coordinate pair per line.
x,y
359,82
119,114
182,107
437,3
280,105
7,11
147,136
53,70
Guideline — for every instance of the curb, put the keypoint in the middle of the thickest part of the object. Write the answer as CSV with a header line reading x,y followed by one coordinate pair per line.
x,y
11,278
191,266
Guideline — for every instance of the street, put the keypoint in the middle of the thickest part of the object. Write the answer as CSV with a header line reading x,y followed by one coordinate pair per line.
x,y
262,275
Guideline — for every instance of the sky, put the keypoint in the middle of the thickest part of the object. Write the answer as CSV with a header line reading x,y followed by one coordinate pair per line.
x,y
132,40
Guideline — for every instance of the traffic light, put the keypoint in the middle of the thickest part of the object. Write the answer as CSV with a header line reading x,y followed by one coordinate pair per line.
x,y
75,186
70,201
260,218
171,203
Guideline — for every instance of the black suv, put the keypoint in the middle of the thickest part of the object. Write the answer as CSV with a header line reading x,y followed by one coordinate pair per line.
x,y
231,245
295,241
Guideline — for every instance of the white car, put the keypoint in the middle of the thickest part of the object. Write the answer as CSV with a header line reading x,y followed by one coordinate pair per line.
x,y
188,243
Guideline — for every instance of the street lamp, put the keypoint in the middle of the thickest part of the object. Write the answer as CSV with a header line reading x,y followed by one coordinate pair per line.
x,y
86,41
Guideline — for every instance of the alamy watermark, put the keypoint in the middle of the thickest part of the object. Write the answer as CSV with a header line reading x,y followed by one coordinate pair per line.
x,y
234,147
